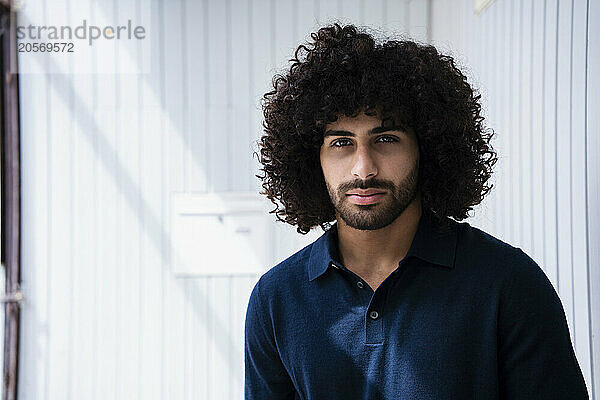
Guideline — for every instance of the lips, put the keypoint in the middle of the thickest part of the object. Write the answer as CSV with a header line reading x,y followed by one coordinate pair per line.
x,y
364,197
364,193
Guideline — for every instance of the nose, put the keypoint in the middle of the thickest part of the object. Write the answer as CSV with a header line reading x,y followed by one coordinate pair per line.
x,y
364,166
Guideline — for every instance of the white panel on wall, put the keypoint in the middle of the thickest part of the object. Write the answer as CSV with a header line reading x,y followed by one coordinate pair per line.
x,y
219,234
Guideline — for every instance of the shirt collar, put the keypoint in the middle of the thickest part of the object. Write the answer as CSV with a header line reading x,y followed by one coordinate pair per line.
x,y
430,244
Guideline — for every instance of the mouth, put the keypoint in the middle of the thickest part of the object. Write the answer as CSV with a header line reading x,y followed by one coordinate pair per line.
x,y
365,196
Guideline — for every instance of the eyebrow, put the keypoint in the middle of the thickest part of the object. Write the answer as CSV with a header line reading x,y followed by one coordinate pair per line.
x,y
374,131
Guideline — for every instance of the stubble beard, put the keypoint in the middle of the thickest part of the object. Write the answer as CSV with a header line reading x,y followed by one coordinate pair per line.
x,y
369,217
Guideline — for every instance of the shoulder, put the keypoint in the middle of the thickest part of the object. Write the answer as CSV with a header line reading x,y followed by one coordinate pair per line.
x,y
291,269
496,266
286,276
482,250
478,244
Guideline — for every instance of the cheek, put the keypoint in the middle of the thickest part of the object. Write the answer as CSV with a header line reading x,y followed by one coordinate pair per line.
x,y
397,169
330,167
330,176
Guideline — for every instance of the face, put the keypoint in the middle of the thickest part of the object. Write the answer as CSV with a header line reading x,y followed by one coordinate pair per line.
x,y
371,172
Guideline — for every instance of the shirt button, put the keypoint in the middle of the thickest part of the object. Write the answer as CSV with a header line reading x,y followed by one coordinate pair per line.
x,y
373,314
360,285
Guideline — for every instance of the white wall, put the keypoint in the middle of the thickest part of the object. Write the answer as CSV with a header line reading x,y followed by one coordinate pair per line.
x,y
534,63
105,316
103,154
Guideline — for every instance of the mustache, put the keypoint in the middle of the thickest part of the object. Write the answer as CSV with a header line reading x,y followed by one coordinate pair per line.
x,y
368,184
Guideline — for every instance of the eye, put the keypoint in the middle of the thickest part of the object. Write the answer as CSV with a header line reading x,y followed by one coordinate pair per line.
x,y
388,139
339,142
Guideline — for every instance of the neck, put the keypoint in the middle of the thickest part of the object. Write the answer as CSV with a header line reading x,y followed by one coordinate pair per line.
x,y
381,250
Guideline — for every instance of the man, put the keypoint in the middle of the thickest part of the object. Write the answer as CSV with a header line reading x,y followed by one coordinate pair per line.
x,y
396,300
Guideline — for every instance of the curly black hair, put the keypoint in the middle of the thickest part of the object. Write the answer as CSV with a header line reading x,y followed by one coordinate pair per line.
x,y
344,71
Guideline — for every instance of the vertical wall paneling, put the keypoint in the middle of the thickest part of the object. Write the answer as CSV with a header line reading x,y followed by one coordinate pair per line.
x,y
128,231
35,225
84,235
486,88
218,118
563,159
150,379
593,186
328,11
537,135
34,349
200,355
196,33
495,101
349,11
374,16
219,345
174,75
240,294
396,18
285,40
60,250
499,142
108,262
188,339
516,113
418,12
578,209
549,128
512,121
240,88
251,105
261,64
106,316
506,124
480,65
525,165
175,140
535,71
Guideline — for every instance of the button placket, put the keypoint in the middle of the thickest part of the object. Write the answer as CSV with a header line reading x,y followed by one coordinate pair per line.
x,y
374,317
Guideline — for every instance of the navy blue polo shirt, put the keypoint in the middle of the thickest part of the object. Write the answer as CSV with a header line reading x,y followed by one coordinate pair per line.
x,y
464,316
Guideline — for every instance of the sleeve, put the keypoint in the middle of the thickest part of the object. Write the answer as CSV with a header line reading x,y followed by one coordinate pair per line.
x,y
265,375
535,354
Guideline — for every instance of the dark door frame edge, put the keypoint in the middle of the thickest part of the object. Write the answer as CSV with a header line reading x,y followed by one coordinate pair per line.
x,y
11,198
